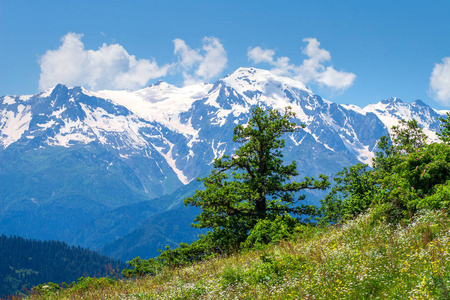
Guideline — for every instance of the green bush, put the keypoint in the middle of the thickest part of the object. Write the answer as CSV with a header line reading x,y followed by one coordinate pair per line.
x,y
270,271
440,198
400,184
271,231
85,283
46,288
415,179
140,267
351,195
231,276
186,254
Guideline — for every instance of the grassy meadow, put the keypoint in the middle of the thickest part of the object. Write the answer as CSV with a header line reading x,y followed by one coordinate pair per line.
x,y
365,258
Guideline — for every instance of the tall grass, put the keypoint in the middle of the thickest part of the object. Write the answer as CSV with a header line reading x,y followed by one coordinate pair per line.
x,y
363,259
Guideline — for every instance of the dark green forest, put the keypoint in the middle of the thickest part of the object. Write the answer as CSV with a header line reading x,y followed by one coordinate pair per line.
x,y
25,263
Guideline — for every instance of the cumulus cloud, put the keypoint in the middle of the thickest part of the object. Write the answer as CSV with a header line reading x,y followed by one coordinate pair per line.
x,y
440,82
200,65
313,69
109,67
259,55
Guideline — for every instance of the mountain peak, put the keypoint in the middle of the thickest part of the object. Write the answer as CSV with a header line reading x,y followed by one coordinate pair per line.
x,y
391,100
57,89
419,102
253,79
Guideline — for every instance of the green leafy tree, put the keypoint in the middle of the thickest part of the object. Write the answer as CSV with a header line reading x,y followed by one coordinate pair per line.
x,y
252,184
408,136
271,231
351,195
417,176
141,267
444,134
408,175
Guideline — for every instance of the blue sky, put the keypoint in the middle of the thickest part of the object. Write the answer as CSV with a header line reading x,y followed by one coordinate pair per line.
x,y
355,52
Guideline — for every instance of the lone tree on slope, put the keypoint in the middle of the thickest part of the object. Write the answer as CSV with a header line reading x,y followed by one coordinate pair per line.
x,y
252,184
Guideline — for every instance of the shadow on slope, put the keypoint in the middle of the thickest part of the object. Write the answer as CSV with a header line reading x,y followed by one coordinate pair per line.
x,y
121,221
168,228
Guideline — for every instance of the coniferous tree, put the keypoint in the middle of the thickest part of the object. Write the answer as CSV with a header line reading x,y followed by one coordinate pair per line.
x,y
25,263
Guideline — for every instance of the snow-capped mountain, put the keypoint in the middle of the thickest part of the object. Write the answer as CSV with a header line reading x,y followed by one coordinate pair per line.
x,y
85,153
390,111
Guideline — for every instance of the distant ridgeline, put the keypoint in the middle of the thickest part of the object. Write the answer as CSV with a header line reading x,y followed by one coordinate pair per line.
x,y
25,263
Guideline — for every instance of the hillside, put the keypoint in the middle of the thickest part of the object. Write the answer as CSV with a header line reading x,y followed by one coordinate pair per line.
x,y
25,263
363,259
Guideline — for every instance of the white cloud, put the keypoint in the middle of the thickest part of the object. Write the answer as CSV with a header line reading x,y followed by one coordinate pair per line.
x,y
440,82
313,69
198,67
188,57
259,55
109,67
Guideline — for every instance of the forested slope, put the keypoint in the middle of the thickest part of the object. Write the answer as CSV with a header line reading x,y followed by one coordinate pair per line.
x,y
25,263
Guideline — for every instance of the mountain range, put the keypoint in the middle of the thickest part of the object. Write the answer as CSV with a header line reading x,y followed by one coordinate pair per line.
x,y
108,170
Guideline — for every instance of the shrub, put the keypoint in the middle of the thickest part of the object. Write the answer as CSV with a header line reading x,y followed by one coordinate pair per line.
x,y
46,288
85,283
140,267
268,272
267,231
231,276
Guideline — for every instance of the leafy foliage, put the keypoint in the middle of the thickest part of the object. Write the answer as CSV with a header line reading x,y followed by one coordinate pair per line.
x,y
83,286
188,253
444,134
407,136
271,231
351,195
408,175
46,288
140,267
